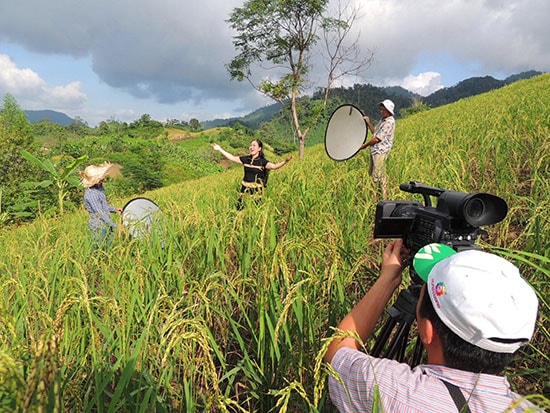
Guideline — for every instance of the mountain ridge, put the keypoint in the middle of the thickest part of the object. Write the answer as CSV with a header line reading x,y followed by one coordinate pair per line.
x,y
46,114
401,96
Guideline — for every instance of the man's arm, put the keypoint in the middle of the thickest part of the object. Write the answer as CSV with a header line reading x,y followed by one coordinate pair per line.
x,y
372,142
369,124
363,317
374,139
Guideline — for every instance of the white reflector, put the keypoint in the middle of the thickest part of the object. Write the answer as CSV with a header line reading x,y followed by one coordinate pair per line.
x,y
138,216
346,132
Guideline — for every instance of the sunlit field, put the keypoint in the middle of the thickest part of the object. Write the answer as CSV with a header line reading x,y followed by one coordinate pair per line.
x,y
226,310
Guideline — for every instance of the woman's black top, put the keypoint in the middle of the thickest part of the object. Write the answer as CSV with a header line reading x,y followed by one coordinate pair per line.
x,y
254,170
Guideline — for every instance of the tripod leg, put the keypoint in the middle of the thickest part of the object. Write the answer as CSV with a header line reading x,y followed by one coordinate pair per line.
x,y
383,337
403,314
396,349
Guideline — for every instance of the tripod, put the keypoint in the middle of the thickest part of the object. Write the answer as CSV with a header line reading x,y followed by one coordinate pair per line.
x,y
402,315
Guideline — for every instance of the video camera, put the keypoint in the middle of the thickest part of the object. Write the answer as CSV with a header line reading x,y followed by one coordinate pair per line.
x,y
456,220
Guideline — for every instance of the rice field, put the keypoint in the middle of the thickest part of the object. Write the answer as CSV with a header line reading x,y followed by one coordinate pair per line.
x,y
226,310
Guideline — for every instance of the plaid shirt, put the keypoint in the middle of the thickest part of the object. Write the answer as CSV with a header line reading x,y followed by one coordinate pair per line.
x,y
384,131
419,390
95,202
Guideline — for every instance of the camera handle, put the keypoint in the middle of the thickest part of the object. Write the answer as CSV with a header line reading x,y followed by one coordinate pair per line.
x,y
402,315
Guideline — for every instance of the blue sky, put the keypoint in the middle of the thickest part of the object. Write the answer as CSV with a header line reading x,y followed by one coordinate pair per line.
x,y
106,59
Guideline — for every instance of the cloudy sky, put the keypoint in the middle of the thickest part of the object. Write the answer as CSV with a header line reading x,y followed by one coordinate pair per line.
x,y
120,59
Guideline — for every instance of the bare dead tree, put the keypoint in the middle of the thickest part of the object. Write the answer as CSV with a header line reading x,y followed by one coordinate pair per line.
x,y
342,55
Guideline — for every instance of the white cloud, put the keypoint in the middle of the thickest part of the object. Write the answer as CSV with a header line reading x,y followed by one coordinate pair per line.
x,y
68,96
424,84
165,50
21,82
32,92
483,38
167,57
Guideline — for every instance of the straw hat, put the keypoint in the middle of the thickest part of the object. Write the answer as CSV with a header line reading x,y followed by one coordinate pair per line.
x,y
94,174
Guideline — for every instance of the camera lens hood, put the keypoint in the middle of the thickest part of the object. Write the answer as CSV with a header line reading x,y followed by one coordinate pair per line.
x,y
476,209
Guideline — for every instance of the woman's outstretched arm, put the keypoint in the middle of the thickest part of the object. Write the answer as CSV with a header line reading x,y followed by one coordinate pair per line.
x,y
271,166
226,154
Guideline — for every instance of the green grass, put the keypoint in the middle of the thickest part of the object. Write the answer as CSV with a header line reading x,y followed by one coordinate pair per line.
x,y
228,311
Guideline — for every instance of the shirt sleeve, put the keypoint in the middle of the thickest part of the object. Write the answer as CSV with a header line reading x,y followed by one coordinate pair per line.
x,y
348,390
357,374
104,209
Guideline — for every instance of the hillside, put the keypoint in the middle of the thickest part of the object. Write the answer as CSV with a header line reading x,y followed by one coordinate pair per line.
x,y
471,87
366,97
252,120
225,310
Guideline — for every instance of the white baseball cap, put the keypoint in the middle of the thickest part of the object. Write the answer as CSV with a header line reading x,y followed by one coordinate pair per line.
x,y
388,104
483,299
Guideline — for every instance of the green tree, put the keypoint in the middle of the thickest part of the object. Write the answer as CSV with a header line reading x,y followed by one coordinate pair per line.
x,y
142,163
79,126
282,34
15,135
145,128
194,124
417,107
111,126
62,177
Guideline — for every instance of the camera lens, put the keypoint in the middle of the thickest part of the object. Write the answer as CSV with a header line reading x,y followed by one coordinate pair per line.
x,y
474,208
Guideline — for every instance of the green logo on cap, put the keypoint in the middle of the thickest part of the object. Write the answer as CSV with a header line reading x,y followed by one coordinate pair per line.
x,y
429,255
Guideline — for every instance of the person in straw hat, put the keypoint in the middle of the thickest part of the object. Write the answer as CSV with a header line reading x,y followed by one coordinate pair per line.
x,y
95,202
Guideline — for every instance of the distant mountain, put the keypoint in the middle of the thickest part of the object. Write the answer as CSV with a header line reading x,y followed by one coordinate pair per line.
x,y
364,96
367,96
253,120
471,87
56,117
399,91
520,76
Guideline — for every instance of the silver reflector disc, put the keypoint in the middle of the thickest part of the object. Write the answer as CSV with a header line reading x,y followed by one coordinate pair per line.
x,y
346,132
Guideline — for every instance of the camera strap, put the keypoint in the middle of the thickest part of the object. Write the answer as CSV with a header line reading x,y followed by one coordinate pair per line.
x,y
458,397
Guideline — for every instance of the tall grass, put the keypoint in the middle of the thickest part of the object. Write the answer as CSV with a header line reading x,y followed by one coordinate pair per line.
x,y
224,310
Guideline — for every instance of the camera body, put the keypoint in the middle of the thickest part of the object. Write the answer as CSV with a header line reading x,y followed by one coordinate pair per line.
x,y
455,221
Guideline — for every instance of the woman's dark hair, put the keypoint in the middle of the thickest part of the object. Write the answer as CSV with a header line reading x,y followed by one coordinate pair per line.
x,y
459,354
262,156
261,145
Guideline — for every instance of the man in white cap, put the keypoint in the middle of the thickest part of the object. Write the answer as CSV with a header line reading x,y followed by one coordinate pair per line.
x,y
381,143
95,202
474,312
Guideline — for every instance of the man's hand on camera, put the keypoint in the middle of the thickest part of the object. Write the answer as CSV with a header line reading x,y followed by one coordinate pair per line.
x,y
363,318
394,260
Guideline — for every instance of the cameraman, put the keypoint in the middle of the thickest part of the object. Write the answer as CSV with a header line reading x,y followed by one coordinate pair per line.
x,y
473,314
